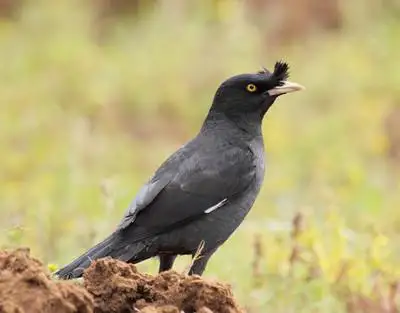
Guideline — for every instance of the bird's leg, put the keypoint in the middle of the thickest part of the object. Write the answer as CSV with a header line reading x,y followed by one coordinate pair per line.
x,y
200,263
166,262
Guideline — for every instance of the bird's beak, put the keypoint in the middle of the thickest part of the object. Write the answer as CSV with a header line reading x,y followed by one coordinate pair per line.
x,y
287,87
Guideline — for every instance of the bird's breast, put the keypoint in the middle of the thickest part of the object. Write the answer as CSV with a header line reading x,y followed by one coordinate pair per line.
x,y
257,148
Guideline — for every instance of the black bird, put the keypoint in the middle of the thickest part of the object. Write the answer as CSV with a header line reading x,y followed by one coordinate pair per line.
x,y
202,192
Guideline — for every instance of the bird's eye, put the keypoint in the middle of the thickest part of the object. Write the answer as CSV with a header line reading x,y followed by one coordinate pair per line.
x,y
251,88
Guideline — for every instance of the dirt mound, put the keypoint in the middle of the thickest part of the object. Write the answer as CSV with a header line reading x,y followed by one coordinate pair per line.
x,y
119,287
110,286
25,287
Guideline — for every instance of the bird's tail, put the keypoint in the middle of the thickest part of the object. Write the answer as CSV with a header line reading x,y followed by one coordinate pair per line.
x,y
111,246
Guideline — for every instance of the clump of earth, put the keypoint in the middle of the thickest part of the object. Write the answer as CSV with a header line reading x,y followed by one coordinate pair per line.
x,y
109,286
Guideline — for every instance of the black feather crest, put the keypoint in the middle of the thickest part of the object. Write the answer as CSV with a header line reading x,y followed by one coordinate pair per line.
x,y
281,71
280,74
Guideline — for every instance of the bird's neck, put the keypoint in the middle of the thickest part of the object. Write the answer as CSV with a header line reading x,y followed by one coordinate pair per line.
x,y
247,126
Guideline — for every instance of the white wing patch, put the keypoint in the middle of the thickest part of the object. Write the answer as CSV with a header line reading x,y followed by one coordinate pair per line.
x,y
214,207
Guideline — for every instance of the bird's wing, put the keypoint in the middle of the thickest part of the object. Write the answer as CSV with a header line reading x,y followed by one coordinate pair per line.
x,y
157,183
202,183
144,197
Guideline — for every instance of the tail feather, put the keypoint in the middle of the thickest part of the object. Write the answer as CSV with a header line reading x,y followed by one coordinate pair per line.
x,y
108,247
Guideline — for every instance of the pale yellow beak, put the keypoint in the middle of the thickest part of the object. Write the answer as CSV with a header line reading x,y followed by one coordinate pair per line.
x,y
287,87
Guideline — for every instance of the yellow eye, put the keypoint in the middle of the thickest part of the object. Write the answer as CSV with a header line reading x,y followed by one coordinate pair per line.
x,y
251,87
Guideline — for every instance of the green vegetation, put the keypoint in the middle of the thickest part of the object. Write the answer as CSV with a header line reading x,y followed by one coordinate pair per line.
x,y
86,118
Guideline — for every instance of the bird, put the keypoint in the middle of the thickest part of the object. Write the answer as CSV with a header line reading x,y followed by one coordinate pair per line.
x,y
199,195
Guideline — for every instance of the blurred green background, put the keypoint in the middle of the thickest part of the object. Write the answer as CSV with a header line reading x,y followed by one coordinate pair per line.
x,y
96,94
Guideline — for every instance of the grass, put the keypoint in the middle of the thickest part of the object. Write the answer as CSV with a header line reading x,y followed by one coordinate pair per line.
x,y
86,122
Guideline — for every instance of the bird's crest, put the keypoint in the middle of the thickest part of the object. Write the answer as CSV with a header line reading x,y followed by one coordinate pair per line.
x,y
280,73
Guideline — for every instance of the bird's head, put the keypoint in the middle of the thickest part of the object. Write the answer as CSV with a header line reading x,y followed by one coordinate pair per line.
x,y
253,94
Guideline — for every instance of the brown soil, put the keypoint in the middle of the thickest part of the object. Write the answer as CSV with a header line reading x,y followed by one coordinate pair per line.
x,y
25,287
109,286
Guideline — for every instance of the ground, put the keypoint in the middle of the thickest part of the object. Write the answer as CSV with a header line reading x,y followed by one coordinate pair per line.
x,y
109,286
